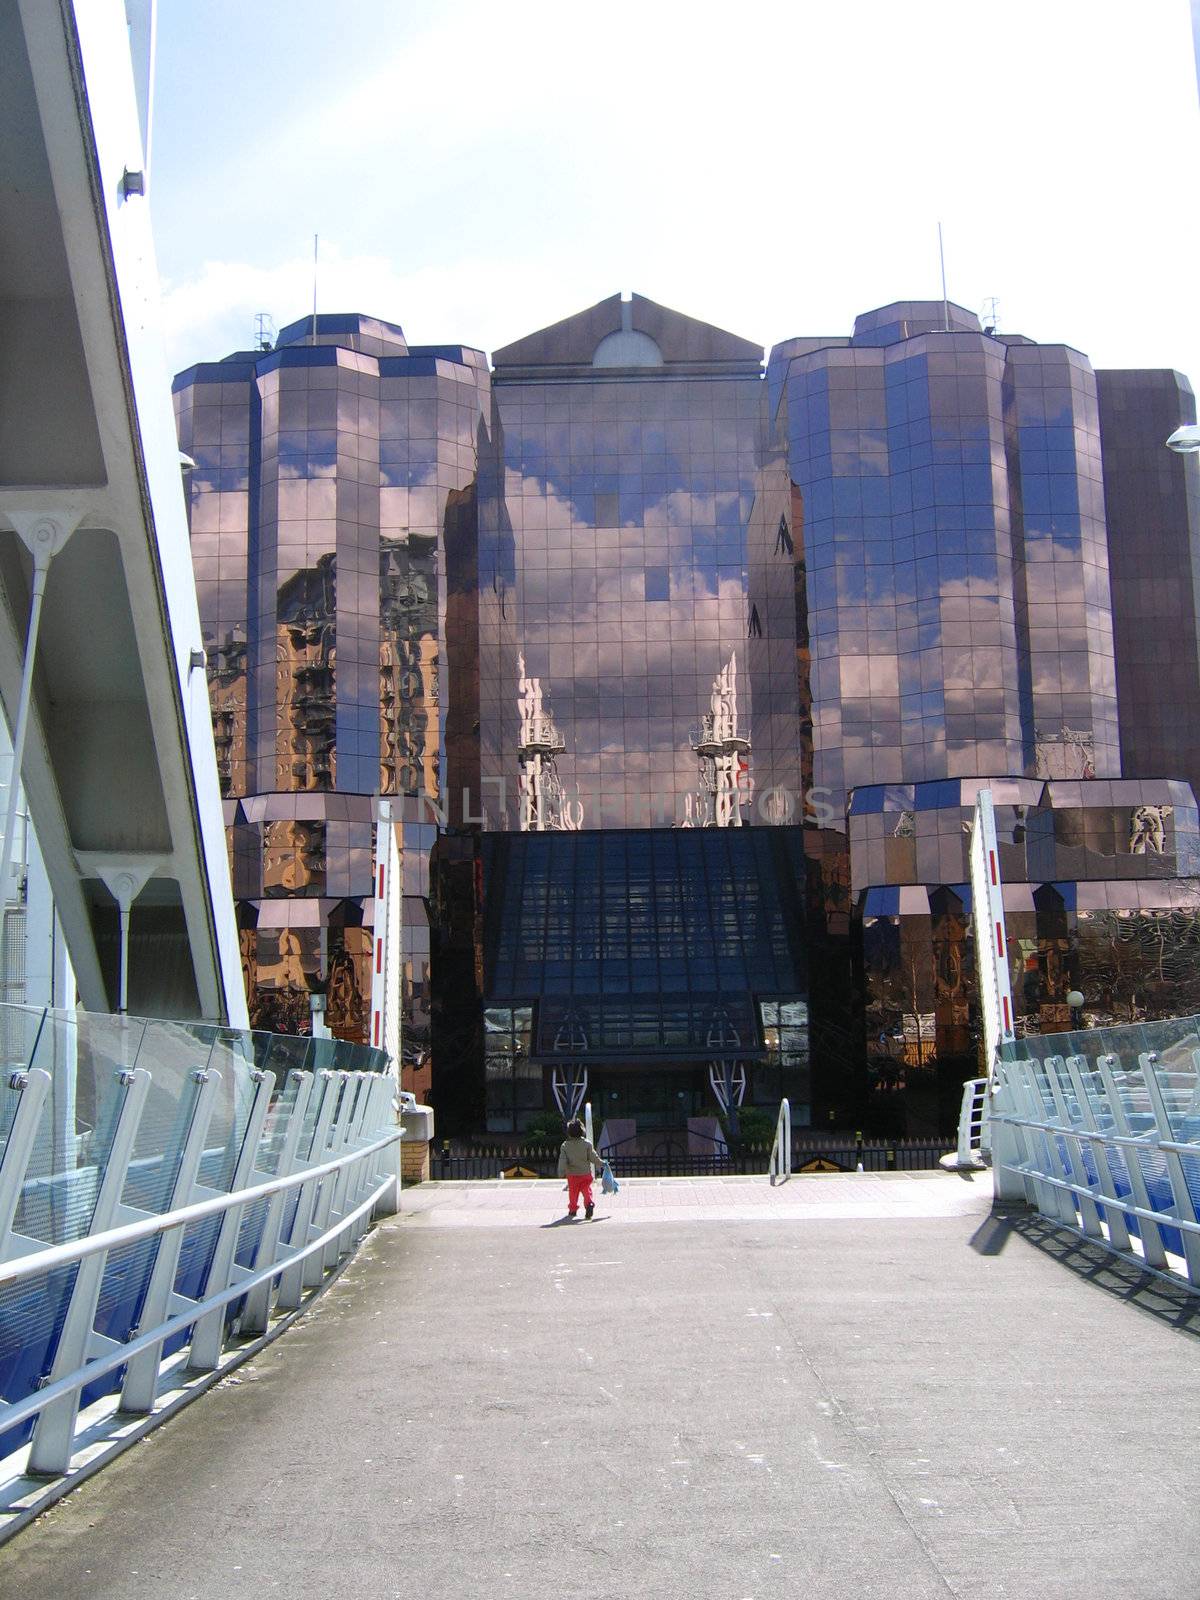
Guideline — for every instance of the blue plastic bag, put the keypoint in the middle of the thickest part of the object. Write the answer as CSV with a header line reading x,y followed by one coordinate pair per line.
x,y
608,1183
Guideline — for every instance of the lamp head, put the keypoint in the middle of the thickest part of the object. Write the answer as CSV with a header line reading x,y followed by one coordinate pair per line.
x,y
1186,439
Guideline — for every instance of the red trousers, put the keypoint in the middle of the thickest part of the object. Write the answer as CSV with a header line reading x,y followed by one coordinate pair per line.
x,y
577,1186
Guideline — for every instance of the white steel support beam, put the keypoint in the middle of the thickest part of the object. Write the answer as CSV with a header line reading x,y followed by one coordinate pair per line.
x,y
33,1087
291,1286
141,1375
50,1451
43,536
1076,1164
256,1312
1152,1244
208,1334
339,1142
119,748
1118,1231
1184,1205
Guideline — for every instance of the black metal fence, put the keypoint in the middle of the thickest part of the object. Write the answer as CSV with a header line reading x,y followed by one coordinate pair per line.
x,y
671,1158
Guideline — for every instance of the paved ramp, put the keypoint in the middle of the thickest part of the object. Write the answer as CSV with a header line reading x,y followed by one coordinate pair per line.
x,y
815,1397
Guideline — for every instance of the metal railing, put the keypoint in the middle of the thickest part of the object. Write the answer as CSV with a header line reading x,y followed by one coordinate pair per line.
x,y
1106,1139
164,1191
668,1156
974,1134
779,1168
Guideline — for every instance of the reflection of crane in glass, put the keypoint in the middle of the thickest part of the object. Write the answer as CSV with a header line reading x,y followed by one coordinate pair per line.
x,y
543,808
727,1076
724,757
569,1082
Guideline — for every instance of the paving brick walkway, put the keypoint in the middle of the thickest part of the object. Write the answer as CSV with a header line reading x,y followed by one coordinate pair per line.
x,y
508,1203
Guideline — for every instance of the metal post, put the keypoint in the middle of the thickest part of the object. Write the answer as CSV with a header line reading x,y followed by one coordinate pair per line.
x,y
1182,1195
50,1451
1118,1230
365,1172
257,1309
342,1184
204,1351
1039,1164
351,1182
1148,1232
381,1116
290,1282
314,1267
1008,1143
1077,1172
141,1375
44,536
391,1160
33,1086
779,1168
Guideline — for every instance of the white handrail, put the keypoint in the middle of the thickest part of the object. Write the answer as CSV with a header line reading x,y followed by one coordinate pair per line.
x,y
13,1415
1167,1218
780,1168
342,1166
62,1255
1062,1142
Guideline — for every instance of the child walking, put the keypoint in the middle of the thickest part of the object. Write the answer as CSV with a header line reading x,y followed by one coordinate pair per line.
x,y
577,1160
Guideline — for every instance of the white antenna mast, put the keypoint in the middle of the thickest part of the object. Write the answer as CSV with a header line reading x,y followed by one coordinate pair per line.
x,y
945,299
316,245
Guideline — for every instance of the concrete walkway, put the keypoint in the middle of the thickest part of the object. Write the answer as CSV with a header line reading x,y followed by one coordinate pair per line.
x,y
859,1386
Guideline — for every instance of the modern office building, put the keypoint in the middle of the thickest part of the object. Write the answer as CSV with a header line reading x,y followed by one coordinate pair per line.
x,y
684,672
950,493
332,503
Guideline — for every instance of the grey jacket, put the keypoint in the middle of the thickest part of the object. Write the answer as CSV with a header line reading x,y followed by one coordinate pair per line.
x,y
576,1158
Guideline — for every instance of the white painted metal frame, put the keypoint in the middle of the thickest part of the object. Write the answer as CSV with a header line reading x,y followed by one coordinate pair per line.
x,y
779,1170
973,1132
349,1170
1093,1170
991,936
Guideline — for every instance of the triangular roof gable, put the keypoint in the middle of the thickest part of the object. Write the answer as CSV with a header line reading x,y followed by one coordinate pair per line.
x,y
683,341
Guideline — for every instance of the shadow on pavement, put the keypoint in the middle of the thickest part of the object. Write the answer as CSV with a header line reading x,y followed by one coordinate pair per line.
x,y
1170,1303
991,1235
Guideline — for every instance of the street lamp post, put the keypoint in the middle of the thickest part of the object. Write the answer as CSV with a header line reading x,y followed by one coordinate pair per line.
x,y
1075,1001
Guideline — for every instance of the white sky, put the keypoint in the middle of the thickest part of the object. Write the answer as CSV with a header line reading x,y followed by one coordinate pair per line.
x,y
477,169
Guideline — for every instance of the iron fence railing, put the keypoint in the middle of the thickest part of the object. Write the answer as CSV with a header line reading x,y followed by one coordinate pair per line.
x,y
669,1158
1100,1131
165,1188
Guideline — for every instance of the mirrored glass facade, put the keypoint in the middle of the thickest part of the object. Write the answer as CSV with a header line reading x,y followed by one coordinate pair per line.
x,y
629,473
334,528
632,587
1153,508
629,950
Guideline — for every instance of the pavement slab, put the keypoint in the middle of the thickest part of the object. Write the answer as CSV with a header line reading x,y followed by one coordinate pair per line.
x,y
725,1390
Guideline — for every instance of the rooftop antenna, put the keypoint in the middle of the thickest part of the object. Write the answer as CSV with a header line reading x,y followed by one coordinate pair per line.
x,y
945,299
264,331
991,314
316,248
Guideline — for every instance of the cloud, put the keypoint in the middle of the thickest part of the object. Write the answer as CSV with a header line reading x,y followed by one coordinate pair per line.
x,y
492,169
210,313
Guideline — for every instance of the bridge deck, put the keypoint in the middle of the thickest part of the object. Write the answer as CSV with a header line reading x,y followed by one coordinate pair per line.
x,y
819,1396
